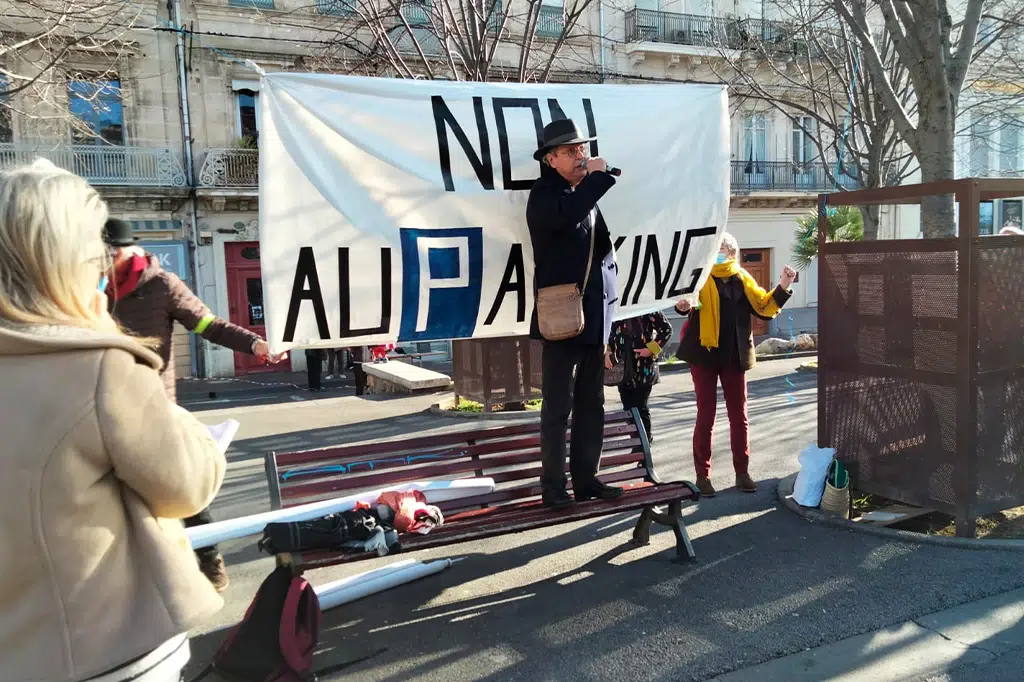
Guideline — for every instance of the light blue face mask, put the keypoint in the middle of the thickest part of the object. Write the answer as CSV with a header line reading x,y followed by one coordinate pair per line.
x,y
721,258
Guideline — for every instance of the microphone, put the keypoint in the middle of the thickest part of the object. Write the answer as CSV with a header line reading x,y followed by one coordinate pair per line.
x,y
610,170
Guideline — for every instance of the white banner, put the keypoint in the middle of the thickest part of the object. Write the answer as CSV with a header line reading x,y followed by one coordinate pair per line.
x,y
394,210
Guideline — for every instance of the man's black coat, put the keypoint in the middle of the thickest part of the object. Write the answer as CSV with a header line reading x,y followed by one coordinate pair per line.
x,y
560,220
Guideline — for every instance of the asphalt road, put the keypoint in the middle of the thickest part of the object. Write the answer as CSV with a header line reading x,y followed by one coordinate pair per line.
x,y
574,602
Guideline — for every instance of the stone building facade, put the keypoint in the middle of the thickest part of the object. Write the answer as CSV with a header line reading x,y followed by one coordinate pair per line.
x,y
189,183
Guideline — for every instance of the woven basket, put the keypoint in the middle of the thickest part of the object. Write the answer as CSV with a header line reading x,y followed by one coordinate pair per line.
x,y
836,500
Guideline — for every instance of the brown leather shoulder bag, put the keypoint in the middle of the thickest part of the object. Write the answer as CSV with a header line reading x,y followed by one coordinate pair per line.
x,y
560,307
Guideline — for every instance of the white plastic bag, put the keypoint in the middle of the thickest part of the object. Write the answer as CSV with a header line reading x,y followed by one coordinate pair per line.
x,y
810,482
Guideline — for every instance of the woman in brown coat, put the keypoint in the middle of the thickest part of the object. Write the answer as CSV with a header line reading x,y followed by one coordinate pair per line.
x,y
97,579
718,345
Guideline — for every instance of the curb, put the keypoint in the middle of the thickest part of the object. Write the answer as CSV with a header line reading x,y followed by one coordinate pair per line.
x,y
680,364
441,409
785,489
236,387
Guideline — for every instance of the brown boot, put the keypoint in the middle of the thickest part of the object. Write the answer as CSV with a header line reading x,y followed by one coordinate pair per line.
x,y
745,483
705,487
215,571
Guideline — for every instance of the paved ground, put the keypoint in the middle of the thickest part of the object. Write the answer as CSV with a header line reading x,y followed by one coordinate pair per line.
x,y
984,637
1006,667
573,603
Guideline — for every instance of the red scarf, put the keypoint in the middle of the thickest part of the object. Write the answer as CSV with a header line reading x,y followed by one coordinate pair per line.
x,y
126,276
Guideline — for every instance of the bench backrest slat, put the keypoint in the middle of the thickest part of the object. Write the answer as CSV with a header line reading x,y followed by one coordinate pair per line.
x,y
509,454
355,472
420,444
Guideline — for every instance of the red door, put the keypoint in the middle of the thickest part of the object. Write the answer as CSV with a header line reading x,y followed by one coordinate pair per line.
x,y
245,301
758,263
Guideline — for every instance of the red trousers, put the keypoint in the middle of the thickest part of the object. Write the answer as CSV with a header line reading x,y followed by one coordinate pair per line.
x,y
734,388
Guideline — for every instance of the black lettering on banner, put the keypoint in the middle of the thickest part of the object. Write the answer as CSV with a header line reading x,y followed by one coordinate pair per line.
x,y
514,267
555,109
618,243
500,104
591,126
652,257
691,234
481,164
305,271
345,295
634,261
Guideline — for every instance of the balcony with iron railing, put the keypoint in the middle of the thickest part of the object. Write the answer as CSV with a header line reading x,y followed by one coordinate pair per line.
x,y
339,8
732,33
230,168
416,13
104,165
551,21
787,176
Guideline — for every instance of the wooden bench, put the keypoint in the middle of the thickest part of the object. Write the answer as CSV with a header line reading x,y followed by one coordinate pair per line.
x,y
510,455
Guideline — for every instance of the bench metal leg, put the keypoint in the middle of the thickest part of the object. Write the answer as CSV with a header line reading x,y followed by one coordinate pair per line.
x,y
642,532
684,548
672,518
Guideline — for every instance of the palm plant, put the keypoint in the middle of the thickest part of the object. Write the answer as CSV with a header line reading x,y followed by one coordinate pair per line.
x,y
845,224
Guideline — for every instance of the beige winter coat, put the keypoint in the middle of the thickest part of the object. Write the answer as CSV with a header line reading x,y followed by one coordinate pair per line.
x,y
94,462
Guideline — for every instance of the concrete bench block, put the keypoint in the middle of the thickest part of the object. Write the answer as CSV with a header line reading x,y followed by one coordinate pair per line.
x,y
403,377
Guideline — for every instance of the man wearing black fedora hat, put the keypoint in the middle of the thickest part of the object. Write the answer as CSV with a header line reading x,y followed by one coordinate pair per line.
x,y
564,221
146,300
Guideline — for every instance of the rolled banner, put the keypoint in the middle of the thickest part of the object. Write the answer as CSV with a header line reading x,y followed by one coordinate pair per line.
x,y
435,491
371,582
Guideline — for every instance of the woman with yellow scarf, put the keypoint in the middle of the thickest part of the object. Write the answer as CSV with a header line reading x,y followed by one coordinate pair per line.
x,y
718,345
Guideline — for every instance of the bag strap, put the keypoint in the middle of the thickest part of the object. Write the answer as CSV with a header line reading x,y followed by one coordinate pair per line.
x,y
297,592
590,257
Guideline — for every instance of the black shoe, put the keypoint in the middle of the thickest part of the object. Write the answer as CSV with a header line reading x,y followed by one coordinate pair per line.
x,y
557,499
598,491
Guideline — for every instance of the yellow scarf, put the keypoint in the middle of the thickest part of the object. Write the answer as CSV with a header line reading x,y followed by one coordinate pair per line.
x,y
710,307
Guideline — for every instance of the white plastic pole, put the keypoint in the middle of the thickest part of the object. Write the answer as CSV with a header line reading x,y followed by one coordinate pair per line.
x,y
435,491
356,587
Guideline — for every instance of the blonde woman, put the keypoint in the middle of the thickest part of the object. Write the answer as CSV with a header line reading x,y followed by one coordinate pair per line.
x,y
97,581
718,345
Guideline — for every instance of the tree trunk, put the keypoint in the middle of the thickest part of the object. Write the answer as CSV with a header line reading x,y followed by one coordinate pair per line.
x,y
936,155
869,214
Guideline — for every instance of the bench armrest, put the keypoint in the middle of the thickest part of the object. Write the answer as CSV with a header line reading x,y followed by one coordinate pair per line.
x,y
645,444
693,488
273,480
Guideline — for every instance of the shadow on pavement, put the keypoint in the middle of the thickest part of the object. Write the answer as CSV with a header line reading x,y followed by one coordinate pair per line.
x,y
764,587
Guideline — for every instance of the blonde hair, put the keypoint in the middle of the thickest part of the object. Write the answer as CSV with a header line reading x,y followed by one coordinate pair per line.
x,y
52,253
730,243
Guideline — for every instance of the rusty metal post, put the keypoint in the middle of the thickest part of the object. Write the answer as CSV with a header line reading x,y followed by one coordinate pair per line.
x,y
969,200
822,276
486,347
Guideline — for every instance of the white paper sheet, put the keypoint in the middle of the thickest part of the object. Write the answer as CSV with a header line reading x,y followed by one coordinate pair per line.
x,y
223,434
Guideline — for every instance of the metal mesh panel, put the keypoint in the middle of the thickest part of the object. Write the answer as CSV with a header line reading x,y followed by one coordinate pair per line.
x,y
921,356
896,439
891,358
1000,381
497,371
891,355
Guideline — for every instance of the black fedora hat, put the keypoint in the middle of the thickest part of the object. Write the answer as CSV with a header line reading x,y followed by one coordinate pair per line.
x,y
117,232
559,133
